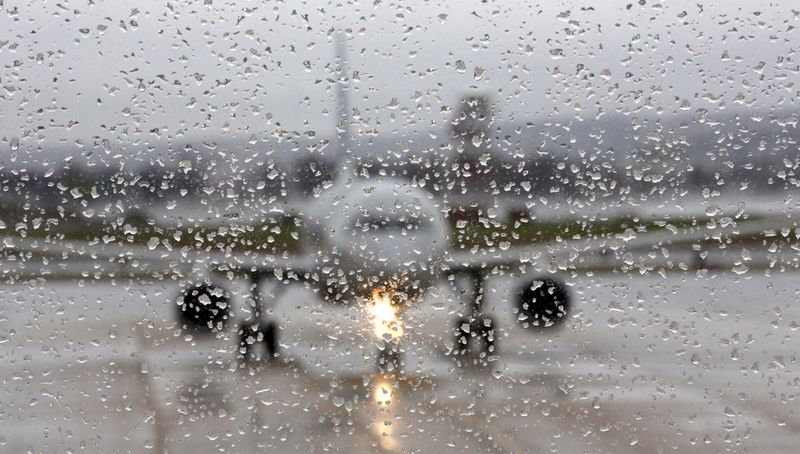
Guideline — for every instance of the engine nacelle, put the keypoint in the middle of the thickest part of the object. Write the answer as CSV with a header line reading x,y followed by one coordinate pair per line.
x,y
204,307
543,302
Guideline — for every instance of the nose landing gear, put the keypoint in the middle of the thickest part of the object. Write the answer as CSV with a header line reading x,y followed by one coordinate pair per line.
x,y
389,359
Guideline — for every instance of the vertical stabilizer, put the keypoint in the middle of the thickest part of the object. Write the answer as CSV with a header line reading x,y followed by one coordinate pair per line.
x,y
342,101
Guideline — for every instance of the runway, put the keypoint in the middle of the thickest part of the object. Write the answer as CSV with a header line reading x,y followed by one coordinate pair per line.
x,y
645,364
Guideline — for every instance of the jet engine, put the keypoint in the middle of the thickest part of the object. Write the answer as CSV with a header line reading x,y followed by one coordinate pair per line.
x,y
204,307
542,303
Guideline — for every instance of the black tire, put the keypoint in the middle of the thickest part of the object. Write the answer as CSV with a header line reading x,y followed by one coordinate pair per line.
x,y
251,335
389,360
481,328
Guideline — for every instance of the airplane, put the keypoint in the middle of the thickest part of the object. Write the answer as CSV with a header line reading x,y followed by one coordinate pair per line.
x,y
383,241
381,244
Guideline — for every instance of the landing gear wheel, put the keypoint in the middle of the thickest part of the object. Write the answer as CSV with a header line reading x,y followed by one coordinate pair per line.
x,y
389,359
253,334
482,329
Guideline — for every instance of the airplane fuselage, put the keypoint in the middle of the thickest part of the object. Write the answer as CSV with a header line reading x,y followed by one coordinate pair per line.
x,y
367,235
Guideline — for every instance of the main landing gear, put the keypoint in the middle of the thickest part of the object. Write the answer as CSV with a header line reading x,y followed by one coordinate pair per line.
x,y
259,330
477,328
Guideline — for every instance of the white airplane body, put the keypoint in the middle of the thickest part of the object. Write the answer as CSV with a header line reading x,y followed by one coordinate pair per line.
x,y
374,248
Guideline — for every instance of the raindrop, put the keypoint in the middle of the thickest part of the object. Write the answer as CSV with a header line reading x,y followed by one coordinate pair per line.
x,y
152,243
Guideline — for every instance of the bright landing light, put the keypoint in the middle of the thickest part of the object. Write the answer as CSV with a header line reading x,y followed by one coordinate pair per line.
x,y
384,315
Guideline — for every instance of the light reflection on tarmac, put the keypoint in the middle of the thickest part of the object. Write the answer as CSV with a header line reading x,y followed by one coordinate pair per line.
x,y
683,364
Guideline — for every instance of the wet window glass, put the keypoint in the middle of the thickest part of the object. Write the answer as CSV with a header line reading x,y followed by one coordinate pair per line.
x,y
399,226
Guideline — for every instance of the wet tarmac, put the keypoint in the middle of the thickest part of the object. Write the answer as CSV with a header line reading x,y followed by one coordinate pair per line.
x,y
646,364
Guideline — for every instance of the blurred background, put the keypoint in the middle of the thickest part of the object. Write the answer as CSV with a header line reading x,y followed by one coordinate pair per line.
x,y
643,152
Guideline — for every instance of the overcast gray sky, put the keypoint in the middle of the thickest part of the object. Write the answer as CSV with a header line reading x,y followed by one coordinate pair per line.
x,y
118,70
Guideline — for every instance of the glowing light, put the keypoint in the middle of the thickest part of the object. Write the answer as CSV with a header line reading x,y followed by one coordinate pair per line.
x,y
384,425
384,391
384,315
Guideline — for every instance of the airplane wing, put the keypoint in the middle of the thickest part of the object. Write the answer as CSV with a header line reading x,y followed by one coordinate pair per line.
x,y
628,248
545,300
